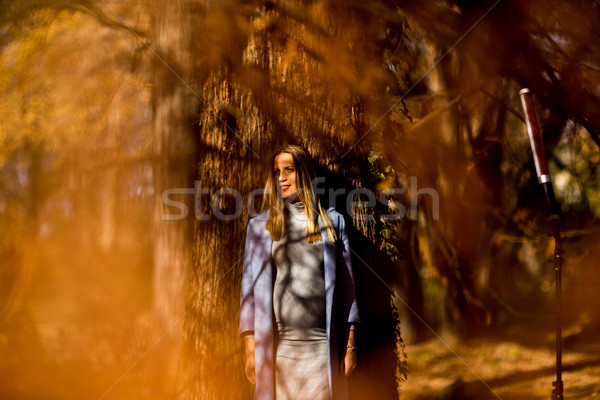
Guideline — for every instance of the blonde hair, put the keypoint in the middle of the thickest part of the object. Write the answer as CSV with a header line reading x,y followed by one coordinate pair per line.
x,y
306,187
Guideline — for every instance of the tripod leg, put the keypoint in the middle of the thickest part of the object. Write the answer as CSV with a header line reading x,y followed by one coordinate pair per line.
x,y
557,392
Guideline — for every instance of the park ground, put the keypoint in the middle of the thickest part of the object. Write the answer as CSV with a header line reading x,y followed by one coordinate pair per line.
x,y
517,363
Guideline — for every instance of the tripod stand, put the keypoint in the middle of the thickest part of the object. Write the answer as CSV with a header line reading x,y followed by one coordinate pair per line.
x,y
544,178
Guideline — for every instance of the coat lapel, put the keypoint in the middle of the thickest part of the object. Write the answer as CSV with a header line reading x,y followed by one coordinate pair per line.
x,y
329,270
264,321
329,263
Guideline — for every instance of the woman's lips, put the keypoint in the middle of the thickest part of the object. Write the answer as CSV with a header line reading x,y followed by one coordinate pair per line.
x,y
284,187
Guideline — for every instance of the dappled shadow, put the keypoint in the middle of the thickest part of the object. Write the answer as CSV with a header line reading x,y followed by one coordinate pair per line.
x,y
482,390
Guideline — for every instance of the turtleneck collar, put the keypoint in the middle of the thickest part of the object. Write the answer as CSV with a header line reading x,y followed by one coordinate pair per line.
x,y
293,198
294,205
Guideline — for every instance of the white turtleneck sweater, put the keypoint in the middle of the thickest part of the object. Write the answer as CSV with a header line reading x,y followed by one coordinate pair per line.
x,y
299,289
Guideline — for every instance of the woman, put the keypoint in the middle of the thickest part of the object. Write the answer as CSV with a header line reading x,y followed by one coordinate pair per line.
x,y
298,305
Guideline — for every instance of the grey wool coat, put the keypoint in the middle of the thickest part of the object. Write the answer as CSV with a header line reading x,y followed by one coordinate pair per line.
x,y
256,306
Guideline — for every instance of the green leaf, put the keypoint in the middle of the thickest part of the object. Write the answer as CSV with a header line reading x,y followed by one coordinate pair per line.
x,y
373,156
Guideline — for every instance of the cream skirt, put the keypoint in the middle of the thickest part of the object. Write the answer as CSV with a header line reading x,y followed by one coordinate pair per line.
x,y
301,370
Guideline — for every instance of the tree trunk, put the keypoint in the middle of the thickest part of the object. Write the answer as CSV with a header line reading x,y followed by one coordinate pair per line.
x,y
173,169
269,88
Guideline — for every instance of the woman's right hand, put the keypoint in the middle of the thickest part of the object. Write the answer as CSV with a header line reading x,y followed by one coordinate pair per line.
x,y
249,367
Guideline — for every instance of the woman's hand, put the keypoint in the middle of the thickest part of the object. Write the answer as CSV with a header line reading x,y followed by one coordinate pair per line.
x,y
349,362
350,357
249,366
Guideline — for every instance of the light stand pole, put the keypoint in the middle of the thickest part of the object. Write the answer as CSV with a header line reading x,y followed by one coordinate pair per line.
x,y
544,178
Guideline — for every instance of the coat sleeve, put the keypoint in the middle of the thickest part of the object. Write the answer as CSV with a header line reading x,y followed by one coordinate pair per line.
x,y
349,287
247,295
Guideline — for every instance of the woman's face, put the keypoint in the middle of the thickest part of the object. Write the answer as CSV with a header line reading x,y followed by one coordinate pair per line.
x,y
285,174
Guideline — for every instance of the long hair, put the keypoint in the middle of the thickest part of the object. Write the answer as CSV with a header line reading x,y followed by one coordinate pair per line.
x,y
306,188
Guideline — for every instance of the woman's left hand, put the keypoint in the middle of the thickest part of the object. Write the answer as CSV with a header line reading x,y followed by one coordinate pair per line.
x,y
349,362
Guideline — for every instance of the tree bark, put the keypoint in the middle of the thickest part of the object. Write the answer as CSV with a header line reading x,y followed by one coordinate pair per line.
x,y
279,82
174,149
